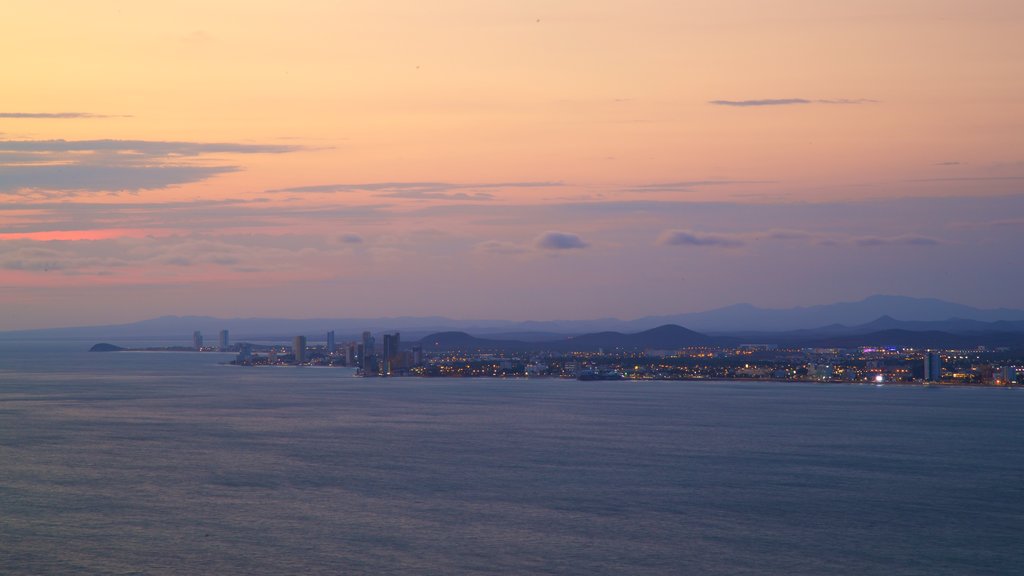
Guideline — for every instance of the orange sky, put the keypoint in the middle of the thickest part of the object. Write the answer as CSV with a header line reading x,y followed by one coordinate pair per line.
x,y
420,142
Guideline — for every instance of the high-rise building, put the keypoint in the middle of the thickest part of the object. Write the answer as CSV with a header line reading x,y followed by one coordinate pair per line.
x,y
299,349
932,367
417,355
330,342
369,357
197,340
222,340
390,359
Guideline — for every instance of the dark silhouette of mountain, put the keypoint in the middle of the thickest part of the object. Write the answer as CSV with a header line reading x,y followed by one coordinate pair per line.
x,y
957,326
669,337
952,325
453,340
747,318
743,321
105,347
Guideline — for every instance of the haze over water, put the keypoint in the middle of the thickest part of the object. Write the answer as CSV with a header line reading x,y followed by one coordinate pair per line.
x,y
168,463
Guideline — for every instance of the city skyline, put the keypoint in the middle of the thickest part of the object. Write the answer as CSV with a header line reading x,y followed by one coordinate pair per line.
x,y
513,160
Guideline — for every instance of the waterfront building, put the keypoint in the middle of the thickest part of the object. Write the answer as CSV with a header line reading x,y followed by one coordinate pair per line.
x,y
389,357
197,340
222,340
330,342
932,367
299,349
369,357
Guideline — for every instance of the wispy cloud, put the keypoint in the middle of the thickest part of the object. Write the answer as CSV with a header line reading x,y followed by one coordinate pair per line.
x,y
66,166
790,101
430,195
410,189
906,240
969,179
120,256
57,115
784,235
154,148
103,178
761,102
689,238
559,241
349,238
690,184
498,247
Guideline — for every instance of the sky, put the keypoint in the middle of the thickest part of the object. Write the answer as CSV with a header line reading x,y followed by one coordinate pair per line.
x,y
505,159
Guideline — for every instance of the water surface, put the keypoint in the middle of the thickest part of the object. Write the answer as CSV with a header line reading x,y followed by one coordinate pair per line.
x,y
170,463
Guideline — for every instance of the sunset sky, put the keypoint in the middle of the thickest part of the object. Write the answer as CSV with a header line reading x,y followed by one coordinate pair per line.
x,y
511,159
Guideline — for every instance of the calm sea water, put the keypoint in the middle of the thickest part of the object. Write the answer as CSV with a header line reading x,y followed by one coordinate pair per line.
x,y
169,463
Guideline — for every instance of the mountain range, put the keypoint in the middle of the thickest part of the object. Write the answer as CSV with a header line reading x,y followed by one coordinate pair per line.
x,y
742,322
672,337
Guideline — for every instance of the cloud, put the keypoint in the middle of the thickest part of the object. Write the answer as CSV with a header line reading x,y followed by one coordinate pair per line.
x,y
67,166
969,179
789,102
498,247
906,240
349,239
151,148
196,251
99,178
559,241
763,102
426,195
411,189
688,184
950,163
55,115
193,215
688,238
785,235
1007,222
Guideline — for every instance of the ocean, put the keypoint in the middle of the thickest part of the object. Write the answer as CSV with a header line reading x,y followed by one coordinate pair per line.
x,y
152,463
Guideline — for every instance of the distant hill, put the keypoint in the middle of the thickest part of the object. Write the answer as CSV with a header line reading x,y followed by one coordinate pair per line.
x,y
953,326
461,341
742,321
105,347
669,337
745,317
